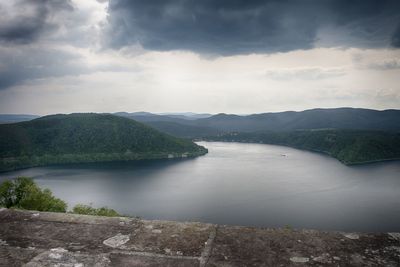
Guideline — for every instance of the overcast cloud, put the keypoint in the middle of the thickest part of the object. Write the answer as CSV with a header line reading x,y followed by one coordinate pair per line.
x,y
232,27
203,56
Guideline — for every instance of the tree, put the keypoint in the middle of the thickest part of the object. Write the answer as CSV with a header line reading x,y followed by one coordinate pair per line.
x,y
7,194
23,193
89,210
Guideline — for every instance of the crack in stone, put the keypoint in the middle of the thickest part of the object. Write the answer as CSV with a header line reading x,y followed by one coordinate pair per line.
x,y
206,253
152,255
62,257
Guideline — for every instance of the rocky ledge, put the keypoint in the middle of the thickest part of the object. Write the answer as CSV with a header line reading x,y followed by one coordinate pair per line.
x,y
58,239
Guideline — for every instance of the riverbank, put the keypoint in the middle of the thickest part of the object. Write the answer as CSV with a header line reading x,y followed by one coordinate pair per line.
x,y
48,239
348,151
11,164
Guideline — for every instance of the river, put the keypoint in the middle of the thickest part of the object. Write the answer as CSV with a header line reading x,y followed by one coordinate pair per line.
x,y
237,184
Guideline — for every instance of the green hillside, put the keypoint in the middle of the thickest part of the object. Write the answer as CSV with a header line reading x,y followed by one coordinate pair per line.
x,y
348,146
182,130
86,138
337,118
334,118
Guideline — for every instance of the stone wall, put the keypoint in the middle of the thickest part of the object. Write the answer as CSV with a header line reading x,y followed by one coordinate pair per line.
x,y
59,239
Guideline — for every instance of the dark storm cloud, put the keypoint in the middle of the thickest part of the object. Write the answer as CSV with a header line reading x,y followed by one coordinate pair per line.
x,y
29,40
396,37
24,21
228,27
20,65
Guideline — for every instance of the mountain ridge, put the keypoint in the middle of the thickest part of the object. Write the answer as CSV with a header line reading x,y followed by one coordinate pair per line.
x,y
340,118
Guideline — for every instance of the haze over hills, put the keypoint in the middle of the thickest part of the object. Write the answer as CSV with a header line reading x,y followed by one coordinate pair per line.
x,y
176,117
183,130
338,118
192,125
147,117
187,115
86,138
335,118
12,118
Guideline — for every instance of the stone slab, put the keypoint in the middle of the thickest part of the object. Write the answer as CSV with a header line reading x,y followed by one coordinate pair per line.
x,y
57,239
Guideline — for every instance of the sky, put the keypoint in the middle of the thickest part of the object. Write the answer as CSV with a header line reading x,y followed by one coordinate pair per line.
x,y
231,56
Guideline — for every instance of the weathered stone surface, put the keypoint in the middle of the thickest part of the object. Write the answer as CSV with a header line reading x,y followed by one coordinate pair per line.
x,y
16,256
299,259
395,236
118,259
57,239
352,236
116,241
65,258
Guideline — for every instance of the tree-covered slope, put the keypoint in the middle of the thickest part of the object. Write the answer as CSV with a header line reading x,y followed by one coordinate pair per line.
x,y
181,130
348,146
85,138
338,118
334,118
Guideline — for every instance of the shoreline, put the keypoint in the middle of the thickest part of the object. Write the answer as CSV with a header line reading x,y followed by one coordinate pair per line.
x,y
356,163
51,160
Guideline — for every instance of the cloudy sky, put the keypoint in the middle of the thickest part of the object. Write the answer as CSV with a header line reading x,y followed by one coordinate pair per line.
x,y
232,56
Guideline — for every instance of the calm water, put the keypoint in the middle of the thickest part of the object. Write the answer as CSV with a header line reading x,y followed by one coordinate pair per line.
x,y
241,184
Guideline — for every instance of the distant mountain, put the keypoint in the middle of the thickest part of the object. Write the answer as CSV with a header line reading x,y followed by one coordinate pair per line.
x,y
339,118
336,118
182,130
86,138
187,115
12,118
348,146
127,114
173,124
147,116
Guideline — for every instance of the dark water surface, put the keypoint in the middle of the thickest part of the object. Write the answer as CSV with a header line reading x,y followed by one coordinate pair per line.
x,y
240,184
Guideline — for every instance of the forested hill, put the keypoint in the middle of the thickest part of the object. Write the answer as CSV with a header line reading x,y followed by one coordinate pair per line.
x,y
86,138
333,118
199,125
348,146
337,118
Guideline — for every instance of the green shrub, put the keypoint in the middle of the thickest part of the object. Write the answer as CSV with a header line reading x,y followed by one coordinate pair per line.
x,y
89,210
25,194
